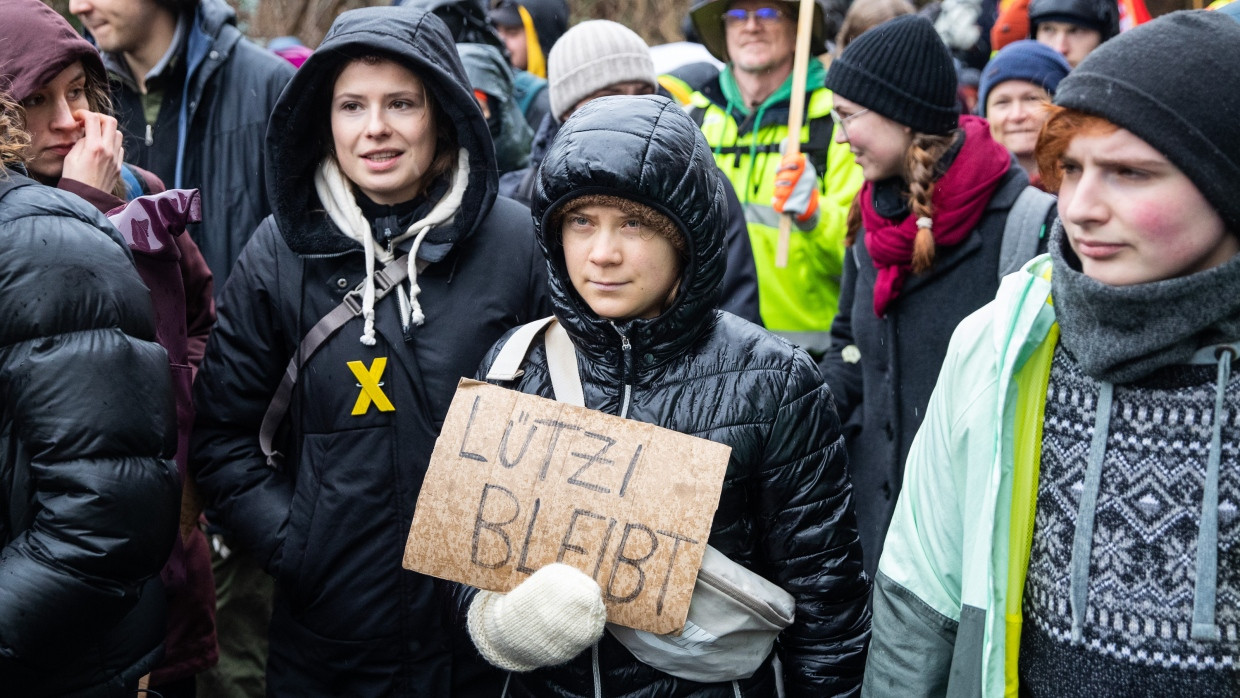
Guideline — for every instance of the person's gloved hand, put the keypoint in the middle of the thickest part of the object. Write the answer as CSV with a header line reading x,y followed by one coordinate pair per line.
x,y
796,190
547,620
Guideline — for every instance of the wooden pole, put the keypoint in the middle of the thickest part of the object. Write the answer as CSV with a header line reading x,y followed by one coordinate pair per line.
x,y
796,112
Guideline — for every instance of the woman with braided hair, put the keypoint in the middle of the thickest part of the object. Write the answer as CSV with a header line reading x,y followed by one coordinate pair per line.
x,y
924,252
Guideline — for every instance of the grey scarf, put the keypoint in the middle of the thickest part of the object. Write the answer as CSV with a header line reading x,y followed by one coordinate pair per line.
x,y
1120,334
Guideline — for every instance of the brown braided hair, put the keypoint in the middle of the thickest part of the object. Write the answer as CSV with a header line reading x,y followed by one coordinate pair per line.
x,y
854,223
919,172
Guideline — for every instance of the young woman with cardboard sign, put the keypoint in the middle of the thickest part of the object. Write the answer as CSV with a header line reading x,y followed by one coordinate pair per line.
x,y
629,211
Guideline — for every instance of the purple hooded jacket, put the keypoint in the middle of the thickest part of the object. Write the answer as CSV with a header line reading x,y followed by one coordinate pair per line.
x,y
36,44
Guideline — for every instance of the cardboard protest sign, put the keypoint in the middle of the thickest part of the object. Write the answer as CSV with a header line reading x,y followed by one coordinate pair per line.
x,y
517,482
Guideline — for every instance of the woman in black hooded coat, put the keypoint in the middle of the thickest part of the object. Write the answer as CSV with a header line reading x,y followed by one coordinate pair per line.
x,y
786,507
329,520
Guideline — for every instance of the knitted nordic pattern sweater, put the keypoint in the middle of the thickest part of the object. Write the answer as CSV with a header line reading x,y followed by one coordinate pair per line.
x,y
1142,565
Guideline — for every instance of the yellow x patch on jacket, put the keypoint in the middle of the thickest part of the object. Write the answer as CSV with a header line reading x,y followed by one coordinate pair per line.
x,y
372,391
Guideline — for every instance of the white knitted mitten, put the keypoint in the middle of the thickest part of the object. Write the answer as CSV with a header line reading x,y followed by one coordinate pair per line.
x,y
547,620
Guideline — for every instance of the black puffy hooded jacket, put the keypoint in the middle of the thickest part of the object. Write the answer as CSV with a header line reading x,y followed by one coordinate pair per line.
x,y
786,507
331,524
88,508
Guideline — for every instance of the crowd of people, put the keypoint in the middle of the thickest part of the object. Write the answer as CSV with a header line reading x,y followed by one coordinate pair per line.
x,y
969,334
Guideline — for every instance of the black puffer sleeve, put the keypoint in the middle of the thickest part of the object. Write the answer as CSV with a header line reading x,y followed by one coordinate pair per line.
x,y
88,498
809,534
245,359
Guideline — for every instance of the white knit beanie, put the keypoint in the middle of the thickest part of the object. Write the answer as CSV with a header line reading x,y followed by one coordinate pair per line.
x,y
593,55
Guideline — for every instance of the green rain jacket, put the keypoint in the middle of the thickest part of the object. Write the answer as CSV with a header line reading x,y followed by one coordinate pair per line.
x,y
947,597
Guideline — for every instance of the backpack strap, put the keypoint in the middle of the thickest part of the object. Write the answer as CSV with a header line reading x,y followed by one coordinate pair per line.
x,y
1024,229
386,280
562,364
507,363
561,359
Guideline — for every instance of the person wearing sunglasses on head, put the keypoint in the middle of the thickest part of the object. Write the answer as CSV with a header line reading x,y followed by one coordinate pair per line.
x,y
926,249
744,115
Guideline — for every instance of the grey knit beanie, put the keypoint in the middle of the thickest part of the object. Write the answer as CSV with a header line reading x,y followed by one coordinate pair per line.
x,y
1191,118
593,55
902,70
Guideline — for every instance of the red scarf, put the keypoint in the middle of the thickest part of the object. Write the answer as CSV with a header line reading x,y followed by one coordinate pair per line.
x,y
960,197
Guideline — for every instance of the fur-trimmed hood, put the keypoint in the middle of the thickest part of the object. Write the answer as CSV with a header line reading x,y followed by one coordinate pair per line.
x,y
298,134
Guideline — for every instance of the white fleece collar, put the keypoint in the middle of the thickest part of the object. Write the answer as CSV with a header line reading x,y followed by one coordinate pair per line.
x,y
336,193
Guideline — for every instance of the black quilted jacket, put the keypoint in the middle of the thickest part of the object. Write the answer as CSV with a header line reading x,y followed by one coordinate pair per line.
x,y
88,505
331,524
786,509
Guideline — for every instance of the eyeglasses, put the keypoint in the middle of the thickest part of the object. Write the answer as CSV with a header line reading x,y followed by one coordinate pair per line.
x,y
842,121
764,15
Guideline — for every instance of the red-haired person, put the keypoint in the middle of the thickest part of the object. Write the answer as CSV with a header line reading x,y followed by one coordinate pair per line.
x,y
1068,522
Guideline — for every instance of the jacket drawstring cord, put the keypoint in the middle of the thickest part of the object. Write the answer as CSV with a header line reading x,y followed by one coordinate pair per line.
x,y
1206,586
1078,589
334,193
598,674
368,294
411,309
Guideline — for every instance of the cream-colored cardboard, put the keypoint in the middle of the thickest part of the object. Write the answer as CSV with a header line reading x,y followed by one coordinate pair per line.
x,y
519,481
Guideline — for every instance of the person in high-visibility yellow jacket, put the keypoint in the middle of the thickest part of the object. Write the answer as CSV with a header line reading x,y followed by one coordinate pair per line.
x,y
744,116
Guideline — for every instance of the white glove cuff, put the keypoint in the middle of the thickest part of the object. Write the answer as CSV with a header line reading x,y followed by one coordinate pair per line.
x,y
546,620
481,626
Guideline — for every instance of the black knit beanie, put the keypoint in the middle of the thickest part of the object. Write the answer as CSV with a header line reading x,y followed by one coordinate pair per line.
x,y
1100,15
902,70
1192,118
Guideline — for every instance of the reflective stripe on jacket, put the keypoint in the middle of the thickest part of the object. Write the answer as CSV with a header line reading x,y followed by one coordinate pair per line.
x,y
946,620
802,297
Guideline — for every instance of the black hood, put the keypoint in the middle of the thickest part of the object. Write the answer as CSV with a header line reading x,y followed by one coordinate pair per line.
x,y
298,134
648,150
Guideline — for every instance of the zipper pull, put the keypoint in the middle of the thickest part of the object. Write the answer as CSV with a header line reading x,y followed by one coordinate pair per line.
x,y
150,137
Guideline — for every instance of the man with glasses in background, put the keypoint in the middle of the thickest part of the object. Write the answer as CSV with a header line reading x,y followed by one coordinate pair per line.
x,y
744,115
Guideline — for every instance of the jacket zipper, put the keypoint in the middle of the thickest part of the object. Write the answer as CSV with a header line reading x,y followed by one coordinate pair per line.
x,y
763,610
627,362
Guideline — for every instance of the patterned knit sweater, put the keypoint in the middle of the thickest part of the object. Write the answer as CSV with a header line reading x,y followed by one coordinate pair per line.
x,y
1142,566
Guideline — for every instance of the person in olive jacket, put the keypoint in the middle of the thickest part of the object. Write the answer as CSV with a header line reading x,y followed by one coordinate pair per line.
x,y
379,156
630,213
89,497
